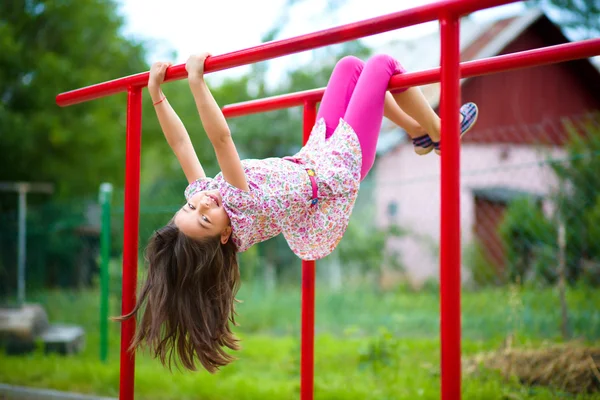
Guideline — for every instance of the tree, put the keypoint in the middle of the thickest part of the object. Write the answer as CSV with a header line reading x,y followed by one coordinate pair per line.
x,y
579,200
582,16
530,237
47,47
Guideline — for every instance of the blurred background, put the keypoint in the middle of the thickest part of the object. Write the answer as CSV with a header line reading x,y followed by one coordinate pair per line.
x,y
530,206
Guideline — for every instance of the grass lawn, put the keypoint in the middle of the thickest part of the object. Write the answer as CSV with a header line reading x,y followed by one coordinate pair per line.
x,y
369,346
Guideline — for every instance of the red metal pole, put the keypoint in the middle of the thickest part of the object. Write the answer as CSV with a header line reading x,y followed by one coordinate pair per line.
x,y
307,358
273,103
130,236
450,218
507,62
270,50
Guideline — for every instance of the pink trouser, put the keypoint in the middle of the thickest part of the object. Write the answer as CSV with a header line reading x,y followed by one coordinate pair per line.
x,y
356,93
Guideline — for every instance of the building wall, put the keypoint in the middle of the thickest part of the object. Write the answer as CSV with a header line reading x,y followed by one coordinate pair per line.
x,y
526,105
412,183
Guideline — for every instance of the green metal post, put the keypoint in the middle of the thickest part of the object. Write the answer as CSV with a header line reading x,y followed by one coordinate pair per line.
x,y
105,200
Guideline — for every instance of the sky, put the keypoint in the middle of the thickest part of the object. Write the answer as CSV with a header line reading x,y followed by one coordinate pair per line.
x,y
221,26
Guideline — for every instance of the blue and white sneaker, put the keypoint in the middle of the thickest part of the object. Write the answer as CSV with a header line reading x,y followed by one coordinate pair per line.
x,y
423,145
469,111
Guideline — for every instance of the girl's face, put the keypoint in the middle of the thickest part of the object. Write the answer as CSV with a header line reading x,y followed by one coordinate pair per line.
x,y
204,216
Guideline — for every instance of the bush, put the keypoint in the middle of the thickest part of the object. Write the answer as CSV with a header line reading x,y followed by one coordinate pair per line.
x,y
529,239
481,269
579,196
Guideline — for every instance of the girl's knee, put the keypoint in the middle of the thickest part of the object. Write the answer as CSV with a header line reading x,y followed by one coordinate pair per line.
x,y
386,62
349,63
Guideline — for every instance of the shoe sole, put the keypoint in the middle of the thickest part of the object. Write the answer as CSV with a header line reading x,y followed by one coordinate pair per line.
x,y
423,150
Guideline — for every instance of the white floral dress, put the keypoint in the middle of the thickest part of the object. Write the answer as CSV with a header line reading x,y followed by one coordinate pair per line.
x,y
280,195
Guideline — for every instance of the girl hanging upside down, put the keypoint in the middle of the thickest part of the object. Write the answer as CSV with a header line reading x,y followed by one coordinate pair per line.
x,y
193,276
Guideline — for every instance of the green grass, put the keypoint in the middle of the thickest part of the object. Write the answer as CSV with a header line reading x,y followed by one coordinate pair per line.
x,y
369,346
488,314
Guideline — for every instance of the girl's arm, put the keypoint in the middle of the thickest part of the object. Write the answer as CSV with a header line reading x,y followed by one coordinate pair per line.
x,y
172,127
215,124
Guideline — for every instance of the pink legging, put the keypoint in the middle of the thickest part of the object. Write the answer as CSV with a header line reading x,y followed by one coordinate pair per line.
x,y
356,93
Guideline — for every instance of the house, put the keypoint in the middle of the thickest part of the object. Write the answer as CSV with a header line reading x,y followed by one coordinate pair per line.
x,y
506,155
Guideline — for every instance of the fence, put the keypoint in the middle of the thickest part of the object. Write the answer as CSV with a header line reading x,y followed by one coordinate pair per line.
x,y
448,13
53,236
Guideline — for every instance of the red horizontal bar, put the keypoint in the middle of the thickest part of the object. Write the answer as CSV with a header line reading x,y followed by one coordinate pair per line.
x,y
273,103
523,59
270,50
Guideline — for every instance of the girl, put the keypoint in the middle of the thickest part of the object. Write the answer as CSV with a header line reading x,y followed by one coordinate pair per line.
x,y
193,275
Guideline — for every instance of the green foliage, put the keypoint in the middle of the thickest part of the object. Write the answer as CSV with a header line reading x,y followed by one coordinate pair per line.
x,y
582,16
59,243
481,268
592,219
380,352
579,195
530,238
590,268
47,47
530,242
486,314
363,246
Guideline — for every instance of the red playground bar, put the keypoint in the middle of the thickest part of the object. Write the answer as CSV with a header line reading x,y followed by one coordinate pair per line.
x,y
448,12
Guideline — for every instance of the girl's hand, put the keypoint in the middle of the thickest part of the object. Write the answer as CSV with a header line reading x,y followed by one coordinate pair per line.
x,y
157,76
195,65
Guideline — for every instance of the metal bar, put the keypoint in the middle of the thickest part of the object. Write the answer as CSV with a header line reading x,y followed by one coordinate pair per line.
x,y
273,103
279,48
30,187
22,188
22,245
130,236
450,210
307,358
486,66
105,200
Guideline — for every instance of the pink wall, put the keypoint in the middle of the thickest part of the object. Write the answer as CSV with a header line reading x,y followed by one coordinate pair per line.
x,y
413,183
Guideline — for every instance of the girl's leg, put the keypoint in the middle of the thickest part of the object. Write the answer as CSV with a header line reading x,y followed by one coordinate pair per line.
x,y
365,109
413,102
422,142
394,113
339,91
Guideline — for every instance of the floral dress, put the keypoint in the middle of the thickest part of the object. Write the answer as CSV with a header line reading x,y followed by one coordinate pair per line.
x,y
280,194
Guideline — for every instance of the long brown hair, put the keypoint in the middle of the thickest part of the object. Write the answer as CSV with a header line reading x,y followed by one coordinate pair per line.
x,y
188,299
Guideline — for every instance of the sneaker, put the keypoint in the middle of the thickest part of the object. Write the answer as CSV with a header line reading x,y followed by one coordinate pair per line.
x,y
469,111
422,144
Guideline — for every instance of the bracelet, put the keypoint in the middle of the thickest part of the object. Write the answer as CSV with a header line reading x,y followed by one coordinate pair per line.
x,y
160,101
